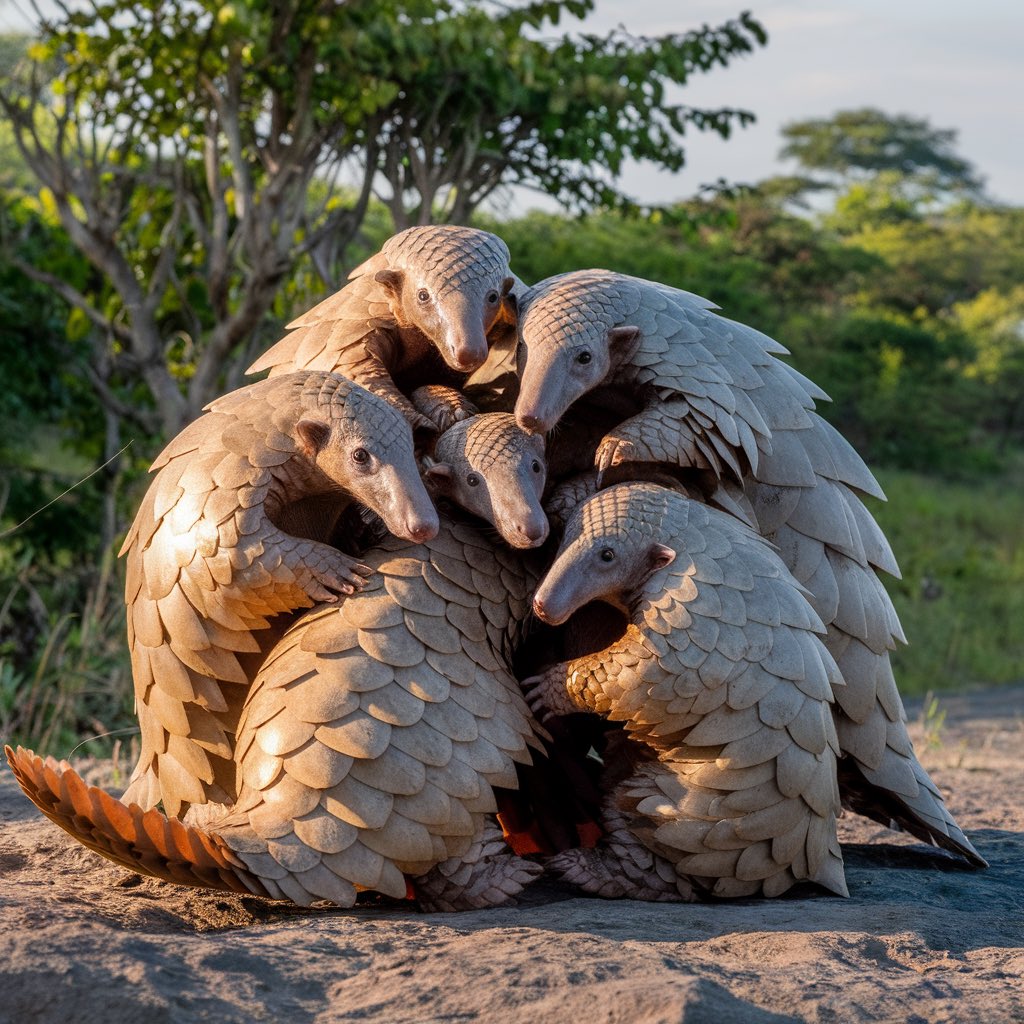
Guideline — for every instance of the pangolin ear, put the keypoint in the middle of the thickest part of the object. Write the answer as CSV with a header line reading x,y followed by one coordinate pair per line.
x,y
620,337
659,556
391,280
312,435
507,286
440,475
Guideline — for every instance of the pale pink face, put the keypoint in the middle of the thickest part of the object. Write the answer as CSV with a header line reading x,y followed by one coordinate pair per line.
x,y
369,453
571,339
493,469
601,558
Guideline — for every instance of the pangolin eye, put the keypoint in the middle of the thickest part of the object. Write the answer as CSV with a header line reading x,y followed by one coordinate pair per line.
x,y
492,298
584,357
473,480
536,466
423,295
361,455
607,555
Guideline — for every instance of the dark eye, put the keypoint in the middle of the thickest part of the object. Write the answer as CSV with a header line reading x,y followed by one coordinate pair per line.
x,y
473,480
536,466
492,298
361,455
607,555
423,295
584,357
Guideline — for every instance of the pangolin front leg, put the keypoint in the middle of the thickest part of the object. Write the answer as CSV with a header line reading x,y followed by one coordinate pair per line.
x,y
442,406
322,571
548,693
660,433
602,682
486,875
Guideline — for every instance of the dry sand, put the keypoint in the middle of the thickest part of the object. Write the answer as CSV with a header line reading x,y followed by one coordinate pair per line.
x,y
921,938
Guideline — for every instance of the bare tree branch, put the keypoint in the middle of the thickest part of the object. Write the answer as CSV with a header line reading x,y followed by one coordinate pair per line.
x,y
73,297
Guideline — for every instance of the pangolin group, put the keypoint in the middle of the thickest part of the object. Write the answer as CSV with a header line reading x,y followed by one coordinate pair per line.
x,y
710,396
374,741
235,530
412,323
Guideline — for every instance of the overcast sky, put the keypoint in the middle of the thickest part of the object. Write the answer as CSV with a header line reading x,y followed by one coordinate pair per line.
x,y
960,64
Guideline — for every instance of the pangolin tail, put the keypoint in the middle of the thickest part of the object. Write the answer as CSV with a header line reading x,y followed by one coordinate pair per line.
x,y
144,841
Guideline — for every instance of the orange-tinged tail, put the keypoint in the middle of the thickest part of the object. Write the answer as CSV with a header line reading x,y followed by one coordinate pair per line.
x,y
144,841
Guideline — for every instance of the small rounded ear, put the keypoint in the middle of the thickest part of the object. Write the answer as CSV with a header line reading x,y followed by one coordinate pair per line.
x,y
622,335
440,475
506,286
660,556
312,436
391,280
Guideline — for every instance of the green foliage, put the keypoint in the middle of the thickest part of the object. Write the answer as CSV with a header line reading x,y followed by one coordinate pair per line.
x,y
961,600
484,96
64,672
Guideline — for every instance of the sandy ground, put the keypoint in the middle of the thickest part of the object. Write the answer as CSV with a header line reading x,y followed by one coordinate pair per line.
x,y
920,939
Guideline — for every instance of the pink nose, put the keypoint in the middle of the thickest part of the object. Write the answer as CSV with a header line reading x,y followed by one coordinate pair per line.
x,y
422,531
531,423
533,531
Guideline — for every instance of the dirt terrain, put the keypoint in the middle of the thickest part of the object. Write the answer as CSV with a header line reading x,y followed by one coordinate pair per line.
x,y
921,938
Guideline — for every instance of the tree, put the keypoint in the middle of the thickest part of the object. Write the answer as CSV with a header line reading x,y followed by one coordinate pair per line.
x,y
484,100
995,321
859,143
192,150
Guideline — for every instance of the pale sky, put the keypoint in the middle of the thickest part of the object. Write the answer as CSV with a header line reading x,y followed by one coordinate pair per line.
x,y
959,64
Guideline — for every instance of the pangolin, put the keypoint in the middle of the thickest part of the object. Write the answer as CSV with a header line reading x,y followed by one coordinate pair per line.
x,y
491,467
368,749
417,316
720,679
710,395
232,532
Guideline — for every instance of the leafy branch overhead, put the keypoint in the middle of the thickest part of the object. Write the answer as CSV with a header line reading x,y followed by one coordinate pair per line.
x,y
203,156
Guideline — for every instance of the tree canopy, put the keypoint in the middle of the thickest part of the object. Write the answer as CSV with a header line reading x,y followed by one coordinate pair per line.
x,y
199,153
867,141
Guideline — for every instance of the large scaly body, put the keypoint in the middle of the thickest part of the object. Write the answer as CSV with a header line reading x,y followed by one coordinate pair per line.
x,y
367,751
723,687
231,533
711,396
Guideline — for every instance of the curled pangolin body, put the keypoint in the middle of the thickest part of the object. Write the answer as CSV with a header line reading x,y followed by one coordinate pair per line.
x,y
368,750
711,396
231,533
721,677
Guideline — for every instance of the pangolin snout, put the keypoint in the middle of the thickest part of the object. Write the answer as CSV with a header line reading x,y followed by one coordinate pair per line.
x,y
531,422
468,353
530,534
421,528
423,531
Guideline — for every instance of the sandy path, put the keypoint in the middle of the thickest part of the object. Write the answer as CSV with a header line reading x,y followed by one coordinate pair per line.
x,y
920,939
